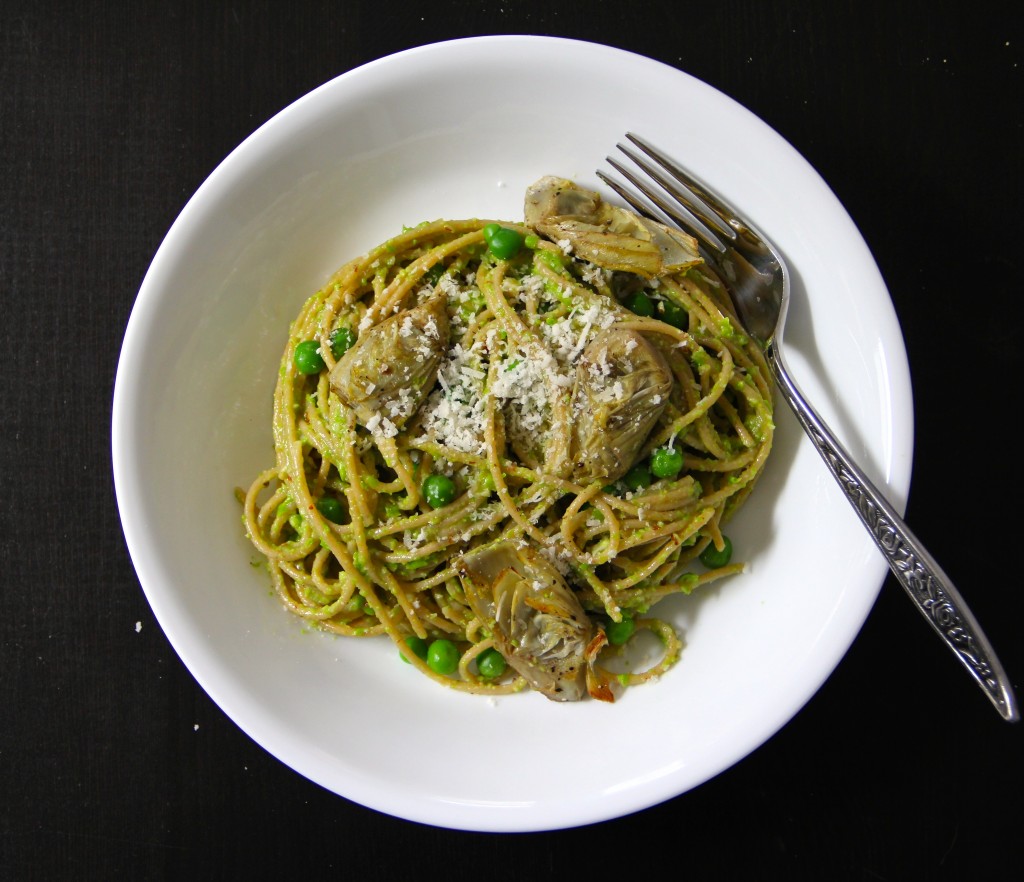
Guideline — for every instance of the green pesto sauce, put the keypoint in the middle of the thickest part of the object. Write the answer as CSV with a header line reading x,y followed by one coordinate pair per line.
x,y
726,330
755,424
472,305
485,481
551,258
360,563
687,582
409,568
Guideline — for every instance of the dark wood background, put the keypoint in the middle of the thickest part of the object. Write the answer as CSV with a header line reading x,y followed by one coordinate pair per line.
x,y
112,114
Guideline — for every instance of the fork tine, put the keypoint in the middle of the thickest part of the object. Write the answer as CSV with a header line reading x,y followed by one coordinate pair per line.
x,y
679,214
705,202
689,224
723,234
626,194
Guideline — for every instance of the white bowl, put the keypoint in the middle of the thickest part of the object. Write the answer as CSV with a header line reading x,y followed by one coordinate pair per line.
x,y
458,130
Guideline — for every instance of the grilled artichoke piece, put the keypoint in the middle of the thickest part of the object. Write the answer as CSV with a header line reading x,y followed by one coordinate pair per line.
x,y
622,387
606,235
552,197
391,369
538,624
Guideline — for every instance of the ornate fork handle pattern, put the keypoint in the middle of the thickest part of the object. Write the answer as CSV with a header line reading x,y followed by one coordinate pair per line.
x,y
915,569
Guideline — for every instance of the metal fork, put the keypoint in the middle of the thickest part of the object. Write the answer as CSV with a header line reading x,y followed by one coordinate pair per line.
x,y
759,281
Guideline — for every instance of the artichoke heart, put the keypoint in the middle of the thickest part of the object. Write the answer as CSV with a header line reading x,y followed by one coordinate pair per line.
x,y
622,386
608,236
539,625
392,367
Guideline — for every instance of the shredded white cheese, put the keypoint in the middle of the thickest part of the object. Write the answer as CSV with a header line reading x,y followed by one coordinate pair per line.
x,y
525,378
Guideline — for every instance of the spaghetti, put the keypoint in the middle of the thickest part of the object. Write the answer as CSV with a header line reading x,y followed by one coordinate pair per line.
x,y
469,385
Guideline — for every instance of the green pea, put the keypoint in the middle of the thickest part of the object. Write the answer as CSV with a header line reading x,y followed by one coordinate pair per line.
x,y
357,603
491,664
673,314
712,558
418,645
619,632
331,509
307,357
489,231
666,462
442,656
438,490
505,243
532,241
641,304
638,477
341,341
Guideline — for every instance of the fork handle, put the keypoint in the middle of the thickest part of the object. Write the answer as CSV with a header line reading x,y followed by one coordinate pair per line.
x,y
928,586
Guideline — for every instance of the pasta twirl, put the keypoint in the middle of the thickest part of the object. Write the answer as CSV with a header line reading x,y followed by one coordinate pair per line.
x,y
485,438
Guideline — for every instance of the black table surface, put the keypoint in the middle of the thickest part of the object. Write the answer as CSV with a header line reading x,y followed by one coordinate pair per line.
x,y
112,114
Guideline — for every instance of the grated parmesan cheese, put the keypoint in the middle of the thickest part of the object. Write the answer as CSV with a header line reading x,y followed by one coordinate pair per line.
x,y
526,378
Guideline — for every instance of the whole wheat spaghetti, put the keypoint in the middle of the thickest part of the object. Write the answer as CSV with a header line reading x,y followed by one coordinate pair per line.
x,y
495,439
